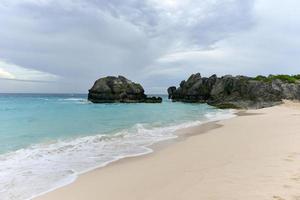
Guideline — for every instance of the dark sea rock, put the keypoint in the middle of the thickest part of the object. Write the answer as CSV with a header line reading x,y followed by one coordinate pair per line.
x,y
234,92
112,89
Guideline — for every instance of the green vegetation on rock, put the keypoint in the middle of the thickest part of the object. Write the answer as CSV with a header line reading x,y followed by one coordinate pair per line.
x,y
237,91
282,77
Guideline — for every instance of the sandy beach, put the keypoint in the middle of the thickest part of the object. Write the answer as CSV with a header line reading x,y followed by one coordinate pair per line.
x,y
253,156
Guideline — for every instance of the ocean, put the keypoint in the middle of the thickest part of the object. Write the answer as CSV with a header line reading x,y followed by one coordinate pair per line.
x,y
47,140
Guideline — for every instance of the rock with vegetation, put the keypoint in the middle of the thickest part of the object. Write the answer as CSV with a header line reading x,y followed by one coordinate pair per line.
x,y
119,89
237,92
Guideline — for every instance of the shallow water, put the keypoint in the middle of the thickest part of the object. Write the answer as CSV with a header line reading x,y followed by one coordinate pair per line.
x,y
47,140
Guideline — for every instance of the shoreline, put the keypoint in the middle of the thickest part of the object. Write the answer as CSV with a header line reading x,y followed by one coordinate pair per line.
x,y
179,135
129,178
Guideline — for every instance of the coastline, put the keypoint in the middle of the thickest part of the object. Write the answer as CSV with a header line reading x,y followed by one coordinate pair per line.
x,y
247,157
56,160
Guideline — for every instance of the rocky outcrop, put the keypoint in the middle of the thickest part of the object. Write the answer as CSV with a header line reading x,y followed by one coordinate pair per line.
x,y
112,89
234,92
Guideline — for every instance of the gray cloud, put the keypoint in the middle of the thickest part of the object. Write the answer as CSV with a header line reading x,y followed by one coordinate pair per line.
x,y
79,41
269,47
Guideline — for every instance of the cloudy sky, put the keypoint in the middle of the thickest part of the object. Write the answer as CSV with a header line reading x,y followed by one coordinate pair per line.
x,y
65,45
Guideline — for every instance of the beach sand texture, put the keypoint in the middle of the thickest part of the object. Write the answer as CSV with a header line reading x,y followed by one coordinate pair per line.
x,y
255,156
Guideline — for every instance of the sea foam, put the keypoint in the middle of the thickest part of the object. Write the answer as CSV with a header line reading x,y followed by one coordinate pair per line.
x,y
32,171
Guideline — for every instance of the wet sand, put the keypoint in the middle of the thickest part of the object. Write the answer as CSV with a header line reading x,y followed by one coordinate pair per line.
x,y
253,156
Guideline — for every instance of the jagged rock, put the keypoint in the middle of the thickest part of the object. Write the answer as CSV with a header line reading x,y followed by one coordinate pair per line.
x,y
234,92
112,89
171,91
288,90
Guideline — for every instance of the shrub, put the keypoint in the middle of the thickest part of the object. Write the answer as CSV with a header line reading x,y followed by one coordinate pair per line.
x,y
282,77
261,78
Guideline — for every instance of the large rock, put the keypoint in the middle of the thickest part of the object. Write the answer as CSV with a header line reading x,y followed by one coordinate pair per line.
x,y
234,92
112,89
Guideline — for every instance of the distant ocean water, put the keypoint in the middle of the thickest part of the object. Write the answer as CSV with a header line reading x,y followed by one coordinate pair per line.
x,y
46,140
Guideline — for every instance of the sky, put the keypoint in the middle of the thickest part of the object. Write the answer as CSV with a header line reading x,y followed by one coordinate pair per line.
x,y
63,46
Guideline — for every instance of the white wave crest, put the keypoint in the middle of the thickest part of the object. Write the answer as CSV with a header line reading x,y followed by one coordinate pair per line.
x,y
49,166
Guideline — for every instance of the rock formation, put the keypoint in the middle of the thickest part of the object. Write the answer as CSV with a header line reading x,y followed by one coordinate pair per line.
x,y
112,89
235,92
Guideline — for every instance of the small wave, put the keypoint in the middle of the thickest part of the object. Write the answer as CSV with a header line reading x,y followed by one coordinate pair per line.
x,y
44,99
72,99
220,115
75,100
53,165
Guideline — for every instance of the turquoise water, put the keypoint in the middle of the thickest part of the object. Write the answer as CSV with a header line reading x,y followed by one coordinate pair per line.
x,y
47,140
